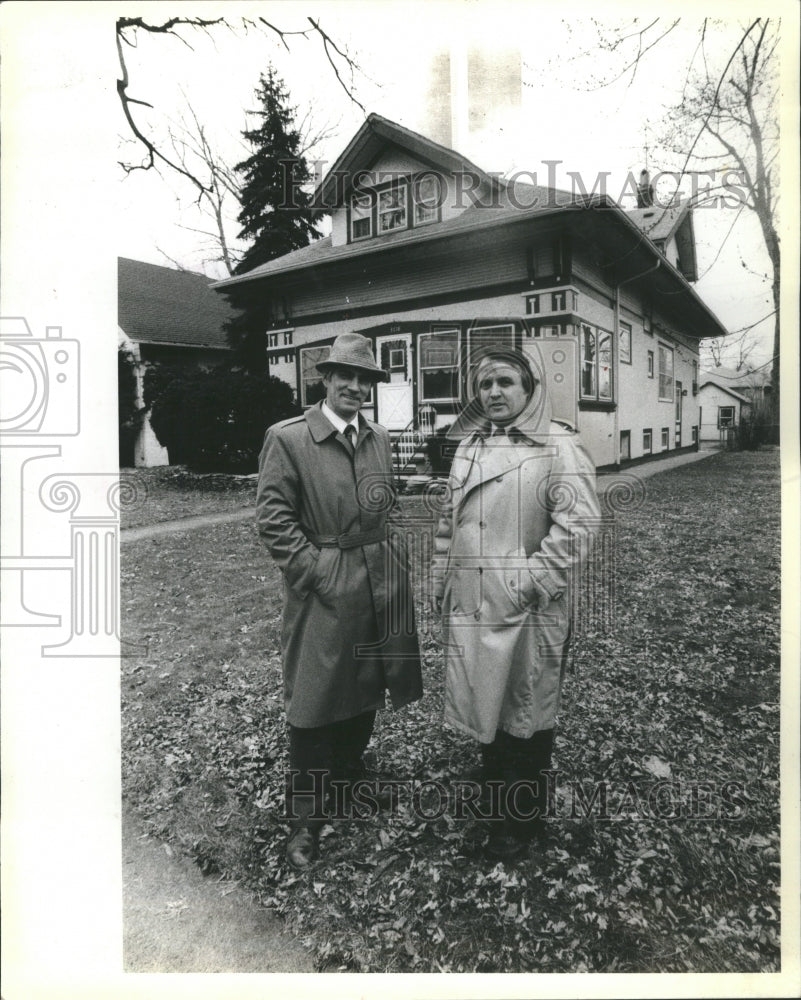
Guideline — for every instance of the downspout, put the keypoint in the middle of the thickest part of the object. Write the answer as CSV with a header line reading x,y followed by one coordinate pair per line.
x,y
616,351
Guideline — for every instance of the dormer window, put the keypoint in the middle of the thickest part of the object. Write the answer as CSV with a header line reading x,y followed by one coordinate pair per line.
x,y
427,200
404,203
392,209
361,217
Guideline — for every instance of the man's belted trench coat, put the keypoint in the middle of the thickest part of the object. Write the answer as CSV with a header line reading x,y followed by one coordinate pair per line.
x,y
510,545
348,623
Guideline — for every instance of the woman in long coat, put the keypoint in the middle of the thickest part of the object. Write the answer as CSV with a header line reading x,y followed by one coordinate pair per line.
x,y
509,549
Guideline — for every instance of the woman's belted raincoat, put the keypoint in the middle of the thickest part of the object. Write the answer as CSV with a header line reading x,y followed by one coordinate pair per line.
x,y
509,549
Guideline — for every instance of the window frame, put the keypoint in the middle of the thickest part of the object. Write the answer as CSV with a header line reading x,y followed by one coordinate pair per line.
x,y
666,351
417,202
647,441
595,395
393,188
650,363
370,216
422,398
665,439
625,328
301,351
733,409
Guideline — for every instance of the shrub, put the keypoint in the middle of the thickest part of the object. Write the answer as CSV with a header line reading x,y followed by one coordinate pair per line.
x,y
214,420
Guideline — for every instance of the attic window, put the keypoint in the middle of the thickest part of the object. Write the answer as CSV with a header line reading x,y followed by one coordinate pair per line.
x,y
392,209
427,196
361,217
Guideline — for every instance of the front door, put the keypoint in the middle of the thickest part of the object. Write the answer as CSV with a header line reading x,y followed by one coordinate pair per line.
x,y
678,414
394,407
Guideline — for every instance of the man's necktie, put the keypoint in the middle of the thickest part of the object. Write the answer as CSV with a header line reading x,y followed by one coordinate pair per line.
x,y
350,437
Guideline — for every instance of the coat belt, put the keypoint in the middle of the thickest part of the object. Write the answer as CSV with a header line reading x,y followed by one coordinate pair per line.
x,y
350,540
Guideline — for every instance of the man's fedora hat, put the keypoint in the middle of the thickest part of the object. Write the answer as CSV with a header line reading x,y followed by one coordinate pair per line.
x,y
352,350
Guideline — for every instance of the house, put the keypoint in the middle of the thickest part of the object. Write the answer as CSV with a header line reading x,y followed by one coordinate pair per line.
x,y
431,257
722,408
169,317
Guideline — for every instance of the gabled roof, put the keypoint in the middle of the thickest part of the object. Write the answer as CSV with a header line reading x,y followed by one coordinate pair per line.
x,y
593,216
738,378
724,388
160,305
509,202
368,143
661,222
658,222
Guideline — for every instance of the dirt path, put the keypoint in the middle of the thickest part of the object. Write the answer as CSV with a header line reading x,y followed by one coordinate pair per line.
x,y
184,524
177,920
203,520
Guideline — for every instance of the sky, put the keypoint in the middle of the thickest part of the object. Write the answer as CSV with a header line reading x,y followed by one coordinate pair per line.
x,y
560,116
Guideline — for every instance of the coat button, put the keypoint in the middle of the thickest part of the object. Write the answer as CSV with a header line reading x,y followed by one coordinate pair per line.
x,y
482,524
480,571
498,479
513,584
477,615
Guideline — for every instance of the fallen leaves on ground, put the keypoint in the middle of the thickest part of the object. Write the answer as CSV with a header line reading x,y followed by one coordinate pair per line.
x,y
671,702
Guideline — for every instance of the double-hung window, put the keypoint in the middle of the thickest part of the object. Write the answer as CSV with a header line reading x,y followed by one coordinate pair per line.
x,y
427,197
392,209
624,342
596,363
666,373
361,216
439,366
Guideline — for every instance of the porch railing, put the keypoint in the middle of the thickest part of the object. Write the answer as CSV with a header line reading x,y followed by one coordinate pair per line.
x,y
409,446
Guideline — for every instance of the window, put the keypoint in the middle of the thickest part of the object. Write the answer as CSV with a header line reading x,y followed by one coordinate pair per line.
x,y
650,364
646,441
312,389
625,446
392,209
665,438
694,434
427,197
596,363
695,378
725,416
479,337
624,343
361,216
551,330
439,366
665,372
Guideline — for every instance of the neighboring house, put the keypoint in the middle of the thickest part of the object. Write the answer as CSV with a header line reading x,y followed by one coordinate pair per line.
x,y
753,383
166,317
722,409
431,257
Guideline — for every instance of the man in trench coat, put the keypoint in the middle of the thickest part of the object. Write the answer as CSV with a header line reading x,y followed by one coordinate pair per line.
x,y
324,495
509,548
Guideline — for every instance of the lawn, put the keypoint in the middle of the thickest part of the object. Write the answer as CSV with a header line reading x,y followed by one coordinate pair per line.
x,y
671,704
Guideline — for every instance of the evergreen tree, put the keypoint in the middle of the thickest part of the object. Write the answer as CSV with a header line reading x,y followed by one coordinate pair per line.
x,y
276,213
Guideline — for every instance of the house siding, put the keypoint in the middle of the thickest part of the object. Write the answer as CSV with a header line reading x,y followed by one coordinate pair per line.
x,y
712,397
